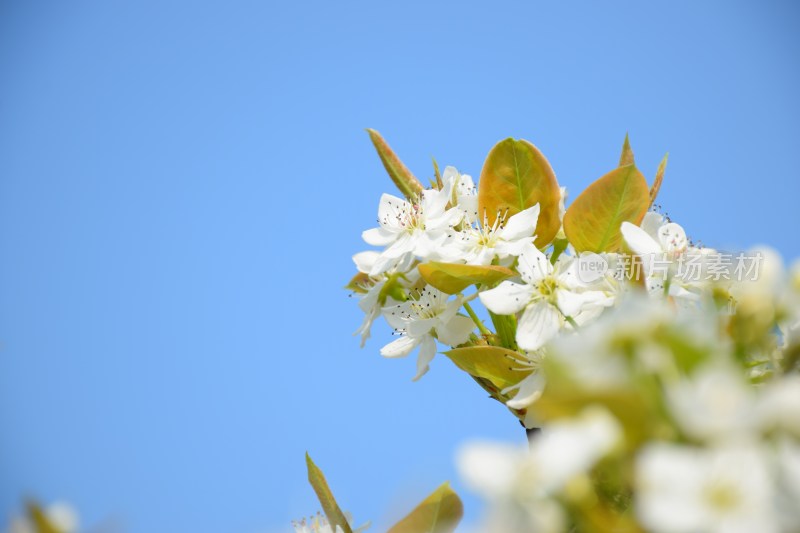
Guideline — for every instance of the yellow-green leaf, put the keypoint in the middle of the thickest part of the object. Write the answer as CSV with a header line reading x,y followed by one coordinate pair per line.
x,y
593,220
41,524
626,158
408,184
517,176
331,509
438,513
498,365
659,178
453,278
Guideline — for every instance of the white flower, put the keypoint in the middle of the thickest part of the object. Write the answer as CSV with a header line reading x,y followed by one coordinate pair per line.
x,y
520,484
411,229
506,477
370,301
548,295
662,248
779,407
320,524
479,245
421,321
464,193
725,490
714,404
60,515
788,493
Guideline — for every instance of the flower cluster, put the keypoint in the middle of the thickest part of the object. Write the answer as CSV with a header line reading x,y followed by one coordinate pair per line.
x,y
657,418
663,374
512,244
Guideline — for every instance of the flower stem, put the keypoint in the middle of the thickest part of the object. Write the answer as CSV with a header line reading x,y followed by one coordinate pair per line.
x,y
483,329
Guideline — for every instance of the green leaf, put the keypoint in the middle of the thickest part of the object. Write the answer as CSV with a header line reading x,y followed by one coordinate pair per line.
x,y
517,176
453,278
592,223
438,513
498,365
626,158
408,184
329,506
659,178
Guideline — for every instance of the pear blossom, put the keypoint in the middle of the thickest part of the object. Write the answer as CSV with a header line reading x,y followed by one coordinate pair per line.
x,y
657,241
685,489
480,245
420,321
370,301
320,524
520,485
547,298
714,404
411,229
464,193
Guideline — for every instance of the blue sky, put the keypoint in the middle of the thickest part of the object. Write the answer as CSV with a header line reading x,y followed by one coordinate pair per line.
x,y
182,184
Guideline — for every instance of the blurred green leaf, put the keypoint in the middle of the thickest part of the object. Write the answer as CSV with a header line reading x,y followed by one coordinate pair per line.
x,y
329,506
39,519
438,513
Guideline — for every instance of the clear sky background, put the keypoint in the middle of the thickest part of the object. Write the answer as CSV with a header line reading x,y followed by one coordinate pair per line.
x,y
183,183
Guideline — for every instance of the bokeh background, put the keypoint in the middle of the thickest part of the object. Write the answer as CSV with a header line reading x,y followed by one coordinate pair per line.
x,y
182,184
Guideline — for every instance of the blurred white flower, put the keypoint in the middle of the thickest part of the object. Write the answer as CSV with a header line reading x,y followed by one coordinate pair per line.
x,y
421,321
683,489
714,404
519,484
779,405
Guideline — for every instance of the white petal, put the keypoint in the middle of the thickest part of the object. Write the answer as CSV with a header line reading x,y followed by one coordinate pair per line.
x,y
456,331
672,237
651,222
426,353
400,347
533,264
392,212
523,224
418,328
365,260
539,323
529,390
490,468
513,248
507,298
572,303
435,201
638,240
378,236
